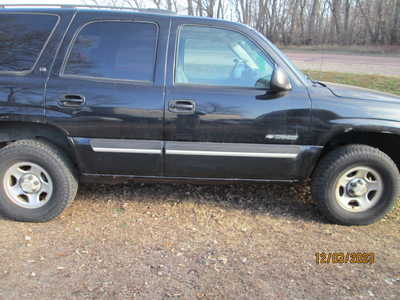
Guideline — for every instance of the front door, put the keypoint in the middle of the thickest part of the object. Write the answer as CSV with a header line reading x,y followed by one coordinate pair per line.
x,y
221,118
106,92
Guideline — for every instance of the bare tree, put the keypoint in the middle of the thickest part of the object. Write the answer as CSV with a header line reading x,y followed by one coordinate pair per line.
x,y
306,22
395,32
311,21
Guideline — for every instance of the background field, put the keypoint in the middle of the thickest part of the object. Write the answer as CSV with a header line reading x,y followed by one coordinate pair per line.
x,y
375,82
347,62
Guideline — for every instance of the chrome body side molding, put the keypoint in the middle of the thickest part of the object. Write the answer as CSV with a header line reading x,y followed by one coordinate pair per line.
x,y
126,146
174,159
232,149
196,148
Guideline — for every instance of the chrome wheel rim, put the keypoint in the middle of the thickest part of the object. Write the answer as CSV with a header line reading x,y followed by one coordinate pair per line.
x,y
28,185
358,189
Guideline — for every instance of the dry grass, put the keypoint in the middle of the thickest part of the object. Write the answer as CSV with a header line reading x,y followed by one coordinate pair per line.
x,y
377,82
350,49
170,241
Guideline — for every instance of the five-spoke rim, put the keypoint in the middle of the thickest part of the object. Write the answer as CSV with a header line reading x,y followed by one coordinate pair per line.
x,y
28,185
358,188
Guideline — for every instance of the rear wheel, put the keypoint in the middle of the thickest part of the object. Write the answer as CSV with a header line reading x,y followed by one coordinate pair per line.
x,y
37,181
355,185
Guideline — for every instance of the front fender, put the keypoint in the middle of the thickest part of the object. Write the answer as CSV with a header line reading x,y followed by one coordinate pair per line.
x,y
342,126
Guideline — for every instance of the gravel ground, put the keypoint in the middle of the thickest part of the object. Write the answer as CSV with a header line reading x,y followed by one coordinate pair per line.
x,y
167,241
349,63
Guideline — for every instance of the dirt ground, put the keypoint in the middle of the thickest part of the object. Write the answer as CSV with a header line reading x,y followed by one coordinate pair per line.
x,y
349,63
167,241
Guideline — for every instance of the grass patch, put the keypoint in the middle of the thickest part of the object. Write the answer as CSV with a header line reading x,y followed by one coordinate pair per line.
x,y
393,50
375,82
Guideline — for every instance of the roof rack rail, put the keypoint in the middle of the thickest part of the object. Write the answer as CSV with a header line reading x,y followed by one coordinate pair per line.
x,y
149,10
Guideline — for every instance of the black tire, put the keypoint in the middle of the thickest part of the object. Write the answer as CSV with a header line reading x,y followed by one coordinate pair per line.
x,y
55,163
329,170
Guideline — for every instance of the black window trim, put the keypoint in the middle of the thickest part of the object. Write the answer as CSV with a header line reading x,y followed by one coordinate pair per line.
x,y
62,73
215,86
29,71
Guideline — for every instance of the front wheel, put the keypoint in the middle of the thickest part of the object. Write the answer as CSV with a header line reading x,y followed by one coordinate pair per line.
x,y
355,185
37,181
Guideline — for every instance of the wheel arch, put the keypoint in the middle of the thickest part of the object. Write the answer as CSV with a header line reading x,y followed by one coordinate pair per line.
x,y
386,141
14,130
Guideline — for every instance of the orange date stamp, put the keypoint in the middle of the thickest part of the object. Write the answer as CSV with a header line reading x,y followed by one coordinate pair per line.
x,y
344,258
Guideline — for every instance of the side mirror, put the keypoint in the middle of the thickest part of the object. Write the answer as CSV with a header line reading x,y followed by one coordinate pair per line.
x,y
280,81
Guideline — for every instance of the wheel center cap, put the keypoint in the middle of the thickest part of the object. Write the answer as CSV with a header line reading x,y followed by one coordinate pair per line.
x,y
357,187
30,183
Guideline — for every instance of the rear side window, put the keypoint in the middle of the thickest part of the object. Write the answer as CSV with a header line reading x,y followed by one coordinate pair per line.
x,y
22,38
114,50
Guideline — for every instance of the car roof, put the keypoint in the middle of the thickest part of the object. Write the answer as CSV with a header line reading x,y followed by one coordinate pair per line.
x,y
93,9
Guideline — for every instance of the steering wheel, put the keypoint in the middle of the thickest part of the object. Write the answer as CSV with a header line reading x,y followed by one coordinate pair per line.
x,y
234,72
243,73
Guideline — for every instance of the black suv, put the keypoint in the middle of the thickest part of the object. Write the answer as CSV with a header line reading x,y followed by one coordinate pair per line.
x,y
115,94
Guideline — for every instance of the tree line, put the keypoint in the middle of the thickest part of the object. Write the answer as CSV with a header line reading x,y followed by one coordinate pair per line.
x,y
298,22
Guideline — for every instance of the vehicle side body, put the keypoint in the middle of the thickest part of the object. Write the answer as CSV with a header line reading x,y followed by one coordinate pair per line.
x,y
127,129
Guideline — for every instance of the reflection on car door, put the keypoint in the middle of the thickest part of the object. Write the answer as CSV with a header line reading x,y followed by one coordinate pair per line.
x,y
221,121
112,82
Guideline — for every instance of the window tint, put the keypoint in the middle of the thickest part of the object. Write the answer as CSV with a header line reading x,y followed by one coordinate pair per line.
x,y
214,56
22,37
118,50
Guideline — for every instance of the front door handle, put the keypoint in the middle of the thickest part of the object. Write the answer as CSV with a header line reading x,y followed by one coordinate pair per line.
x,y
72,100
182,106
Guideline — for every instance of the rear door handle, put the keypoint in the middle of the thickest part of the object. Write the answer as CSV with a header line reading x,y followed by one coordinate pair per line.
x,y
182,106
72,100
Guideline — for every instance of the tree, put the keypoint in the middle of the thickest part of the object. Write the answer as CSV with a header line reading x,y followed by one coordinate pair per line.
x,y
307,22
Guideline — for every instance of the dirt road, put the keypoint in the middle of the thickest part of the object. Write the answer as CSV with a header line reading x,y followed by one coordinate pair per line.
x,y
165,241
349,63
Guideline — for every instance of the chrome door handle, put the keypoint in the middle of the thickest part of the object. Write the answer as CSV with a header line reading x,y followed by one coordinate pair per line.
x,y
182,106
72,100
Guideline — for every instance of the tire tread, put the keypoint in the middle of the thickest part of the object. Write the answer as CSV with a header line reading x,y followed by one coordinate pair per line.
x,y
52,152
328,166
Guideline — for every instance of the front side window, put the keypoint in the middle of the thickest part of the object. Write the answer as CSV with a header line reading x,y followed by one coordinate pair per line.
x,y
212,56
22,38
114,50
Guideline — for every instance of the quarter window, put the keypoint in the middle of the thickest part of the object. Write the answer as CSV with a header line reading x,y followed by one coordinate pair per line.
x,y
213,56
112,49
22,38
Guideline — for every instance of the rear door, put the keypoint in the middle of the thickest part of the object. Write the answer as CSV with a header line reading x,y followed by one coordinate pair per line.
x,y
221,118
106,91
28,43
